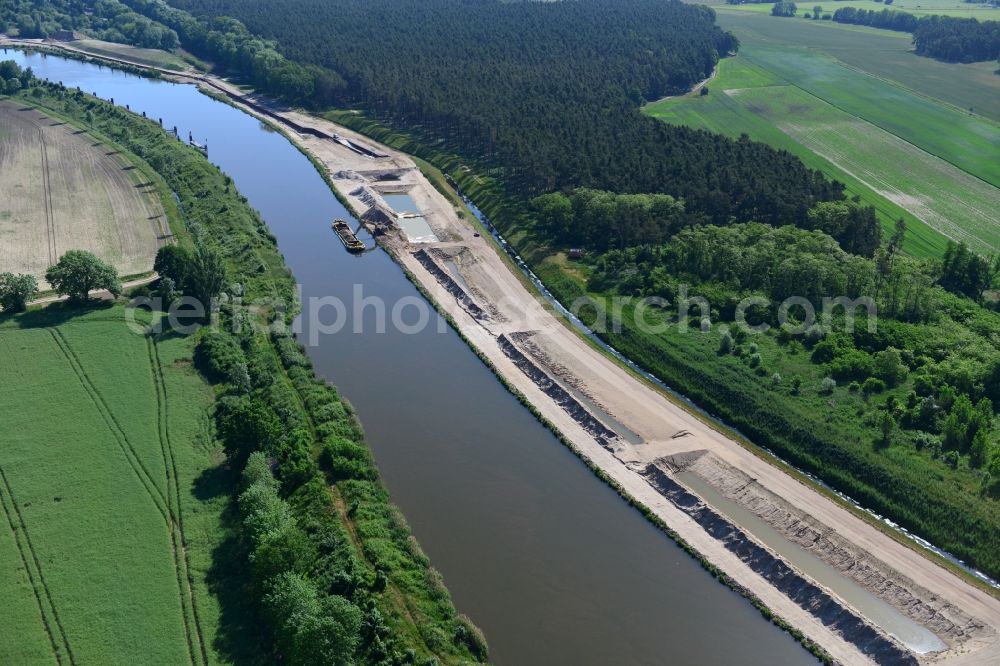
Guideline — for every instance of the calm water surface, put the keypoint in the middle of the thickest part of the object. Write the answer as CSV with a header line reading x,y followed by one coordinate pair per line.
x,y
553,566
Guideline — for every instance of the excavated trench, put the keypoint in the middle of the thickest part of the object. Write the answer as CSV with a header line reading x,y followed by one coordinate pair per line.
x,y
450,285
600,432
852,628
946,621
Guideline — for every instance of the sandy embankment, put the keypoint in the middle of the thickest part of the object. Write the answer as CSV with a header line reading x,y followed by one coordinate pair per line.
x,y
560,374
548,363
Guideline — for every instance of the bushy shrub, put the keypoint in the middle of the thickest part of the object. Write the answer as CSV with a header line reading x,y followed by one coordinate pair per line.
x,y
924,385
263,512
295,461
814,335
888,366
469,634
925,440
872,385
245,425
173,262
290,352
347,460
311,629
217,354
16,291
726,344
258,470
827,385
852,364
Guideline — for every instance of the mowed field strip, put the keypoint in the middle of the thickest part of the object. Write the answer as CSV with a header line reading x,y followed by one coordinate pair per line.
x,y
900,178
970,143
94,557
918,8
883,54
62,190
134,54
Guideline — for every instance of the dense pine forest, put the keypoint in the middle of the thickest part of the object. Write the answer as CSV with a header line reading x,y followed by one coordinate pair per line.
x,y
542,95
544,99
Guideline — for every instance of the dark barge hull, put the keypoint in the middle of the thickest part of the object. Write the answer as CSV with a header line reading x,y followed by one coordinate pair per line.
x,y
347,237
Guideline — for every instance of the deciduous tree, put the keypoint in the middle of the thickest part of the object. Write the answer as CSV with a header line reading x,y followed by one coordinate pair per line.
x,y
79,272
16,291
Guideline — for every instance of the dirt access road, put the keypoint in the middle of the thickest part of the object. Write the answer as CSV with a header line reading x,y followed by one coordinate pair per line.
x,y
626,427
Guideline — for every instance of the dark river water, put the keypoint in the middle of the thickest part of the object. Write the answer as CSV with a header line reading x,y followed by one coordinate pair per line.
x,y
543,556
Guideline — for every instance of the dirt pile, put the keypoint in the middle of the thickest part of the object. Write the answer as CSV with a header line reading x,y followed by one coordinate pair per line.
x,y
606,437
944,619
854,629
449,283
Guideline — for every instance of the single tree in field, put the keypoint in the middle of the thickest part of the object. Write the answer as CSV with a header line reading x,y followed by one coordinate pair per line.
x,y
16,291
782,8
817,11
174,262
726,344
79,272
207,275
887,425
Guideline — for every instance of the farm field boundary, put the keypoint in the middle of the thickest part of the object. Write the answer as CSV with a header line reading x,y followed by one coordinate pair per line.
x,y
63,190
886,55
898,178
102,544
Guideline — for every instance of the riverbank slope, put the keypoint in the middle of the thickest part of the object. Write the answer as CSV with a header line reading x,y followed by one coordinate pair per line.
x,y
579,390
467,277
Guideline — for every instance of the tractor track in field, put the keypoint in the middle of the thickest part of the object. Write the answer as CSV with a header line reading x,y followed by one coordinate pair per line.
x,y
183,566
116,430
164,504
174,548
50,224
45,595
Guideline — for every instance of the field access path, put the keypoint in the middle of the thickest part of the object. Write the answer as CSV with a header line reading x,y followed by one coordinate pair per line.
x,y
167,504
61,650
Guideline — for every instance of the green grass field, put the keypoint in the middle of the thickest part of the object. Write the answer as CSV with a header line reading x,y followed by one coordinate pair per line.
x,y
907,154
969,143
105,541
883,54
935,198
133,54
916,7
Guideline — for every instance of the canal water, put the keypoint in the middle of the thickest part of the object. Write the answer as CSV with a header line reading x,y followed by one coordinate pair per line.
x,y
542,555
416,227
906,631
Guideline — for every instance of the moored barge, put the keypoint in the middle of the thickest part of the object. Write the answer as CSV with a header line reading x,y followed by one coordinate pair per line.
x,y
347,236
